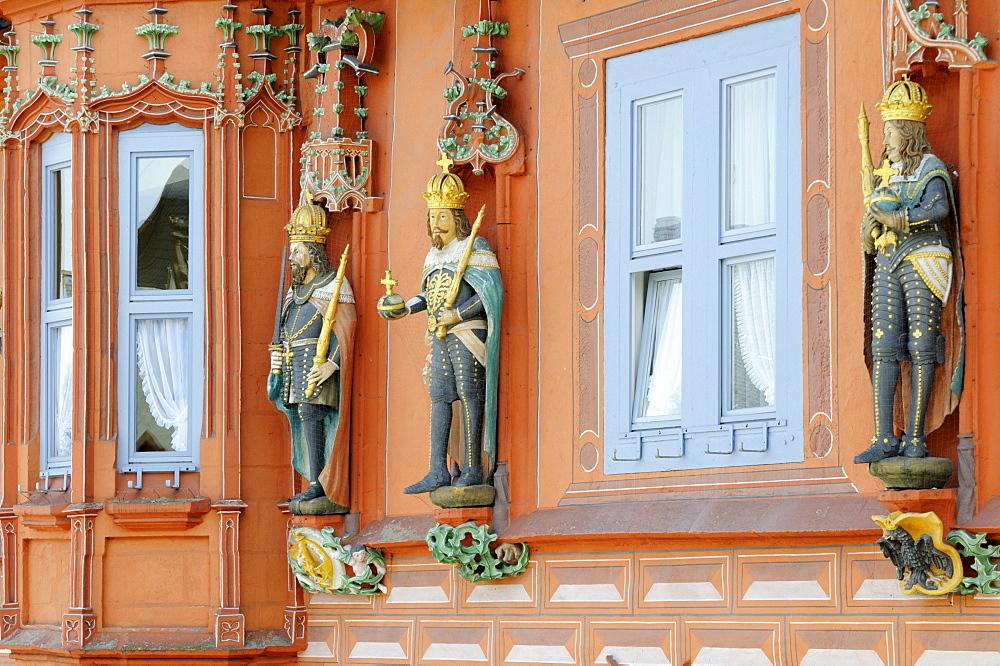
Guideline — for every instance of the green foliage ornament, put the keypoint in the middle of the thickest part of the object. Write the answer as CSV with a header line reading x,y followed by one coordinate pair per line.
x,y
322,564
987,578
468,546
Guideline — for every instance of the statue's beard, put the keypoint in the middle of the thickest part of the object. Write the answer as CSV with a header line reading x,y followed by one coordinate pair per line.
x,y
299,273
437,241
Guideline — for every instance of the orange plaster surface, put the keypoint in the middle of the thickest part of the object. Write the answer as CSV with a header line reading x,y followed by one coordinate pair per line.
x,y
532,223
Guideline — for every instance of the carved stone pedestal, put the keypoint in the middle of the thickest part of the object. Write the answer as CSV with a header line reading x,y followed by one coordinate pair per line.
x,y
901,473
479,515
454,497
319,522
939,500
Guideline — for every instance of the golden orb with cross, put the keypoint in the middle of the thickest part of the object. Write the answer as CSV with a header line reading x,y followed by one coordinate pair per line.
x,y
884,197
445,189
391,305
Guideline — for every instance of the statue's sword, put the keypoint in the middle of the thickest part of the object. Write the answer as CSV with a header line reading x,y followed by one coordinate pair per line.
x,y
456,281
279,308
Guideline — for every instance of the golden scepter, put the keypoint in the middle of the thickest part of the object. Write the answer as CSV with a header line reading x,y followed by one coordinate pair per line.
x,y
323,345
456,282
867,168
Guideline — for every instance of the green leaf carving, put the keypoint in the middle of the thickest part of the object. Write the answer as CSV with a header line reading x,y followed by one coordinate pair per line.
x,y
987,578
468,546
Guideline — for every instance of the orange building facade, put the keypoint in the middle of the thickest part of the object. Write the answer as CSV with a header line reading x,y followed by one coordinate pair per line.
x,y
736,530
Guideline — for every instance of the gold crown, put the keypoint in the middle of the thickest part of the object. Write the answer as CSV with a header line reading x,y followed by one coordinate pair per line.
x,y
445,189
308,223
905,100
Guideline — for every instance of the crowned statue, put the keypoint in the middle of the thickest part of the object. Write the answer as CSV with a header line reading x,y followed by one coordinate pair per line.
x,y
462,294
909,235
311,356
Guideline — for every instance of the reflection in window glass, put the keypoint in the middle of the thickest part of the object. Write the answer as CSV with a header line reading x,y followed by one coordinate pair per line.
x,y
62,226
751,152
62,381
162,209
752,339
161,421
660,377
660,170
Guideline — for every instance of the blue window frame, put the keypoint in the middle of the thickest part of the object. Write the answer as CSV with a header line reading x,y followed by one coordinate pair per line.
x,y
703,194
56,386
160,298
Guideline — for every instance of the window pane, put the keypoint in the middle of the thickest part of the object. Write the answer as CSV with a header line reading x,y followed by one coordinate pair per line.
x,y
61,392
62,231
752,334
751,152
659,384
162,210
660,144
161,387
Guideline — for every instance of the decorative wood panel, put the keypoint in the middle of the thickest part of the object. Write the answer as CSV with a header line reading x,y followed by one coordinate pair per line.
x,y
380,641
455,642
683,582
587,583
775,580
860,642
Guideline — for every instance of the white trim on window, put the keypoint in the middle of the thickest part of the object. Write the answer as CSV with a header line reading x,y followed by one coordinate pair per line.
x,y
163,150
55,387
709,431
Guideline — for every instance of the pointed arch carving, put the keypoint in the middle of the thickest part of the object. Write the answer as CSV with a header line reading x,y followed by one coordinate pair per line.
x,y
154,100
41,111
263,97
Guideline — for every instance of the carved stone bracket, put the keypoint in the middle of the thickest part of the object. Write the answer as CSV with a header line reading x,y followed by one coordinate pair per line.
x,y
321,563
918,35
924,561
474,132
470,547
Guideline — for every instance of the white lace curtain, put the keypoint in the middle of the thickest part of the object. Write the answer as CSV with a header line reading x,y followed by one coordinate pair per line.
x,y
753,311
663,390
662,166
161,355
752,127
64,395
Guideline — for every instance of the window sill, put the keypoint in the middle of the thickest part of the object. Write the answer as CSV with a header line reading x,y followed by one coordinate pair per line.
x,y
46,513
158,514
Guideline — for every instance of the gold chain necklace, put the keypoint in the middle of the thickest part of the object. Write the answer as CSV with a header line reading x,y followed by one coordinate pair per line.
x,y
318,283
302,330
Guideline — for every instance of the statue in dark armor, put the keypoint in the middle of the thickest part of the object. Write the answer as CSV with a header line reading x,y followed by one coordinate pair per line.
x,y
315,393
463,295
913,264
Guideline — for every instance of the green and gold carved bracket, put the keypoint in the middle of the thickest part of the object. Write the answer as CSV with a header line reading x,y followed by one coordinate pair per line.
x,y
469,547
321,563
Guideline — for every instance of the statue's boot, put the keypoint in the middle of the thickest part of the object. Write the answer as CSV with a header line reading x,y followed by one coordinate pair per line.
x,y
314,433
921,380
885,444
313,491
438,475
472,420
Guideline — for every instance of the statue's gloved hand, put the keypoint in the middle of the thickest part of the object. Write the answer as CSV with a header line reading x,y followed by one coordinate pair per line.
x,y
448,317
893,219
322,372
868,225
275,359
